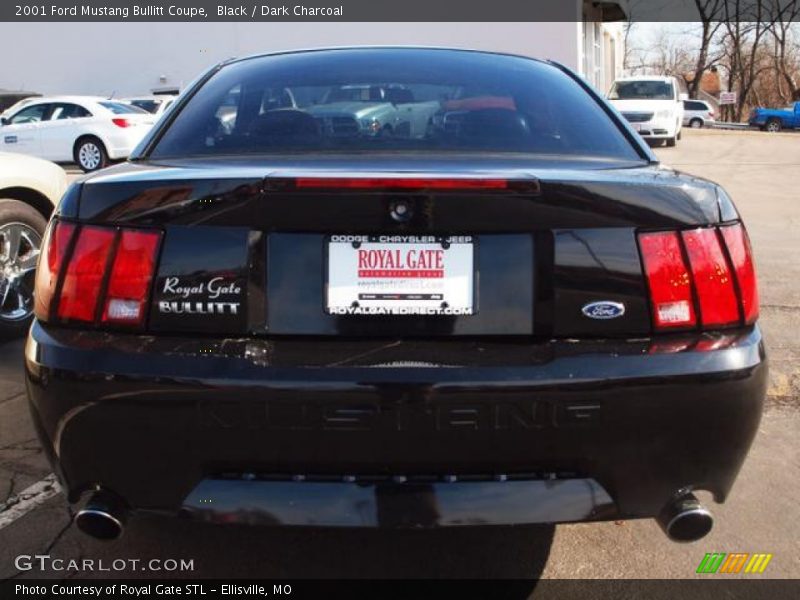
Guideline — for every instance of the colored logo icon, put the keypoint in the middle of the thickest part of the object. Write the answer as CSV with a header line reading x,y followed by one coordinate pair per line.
x,y
735,562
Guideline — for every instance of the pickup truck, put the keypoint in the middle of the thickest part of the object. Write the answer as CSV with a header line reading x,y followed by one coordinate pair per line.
x,y
373,110
775,119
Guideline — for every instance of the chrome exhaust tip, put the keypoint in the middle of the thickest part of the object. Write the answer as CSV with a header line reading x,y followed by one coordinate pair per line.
x,y
103,517
685,519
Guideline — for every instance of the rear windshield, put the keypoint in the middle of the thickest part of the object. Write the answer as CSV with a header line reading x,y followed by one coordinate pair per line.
x,y
392,100
120,108
641,90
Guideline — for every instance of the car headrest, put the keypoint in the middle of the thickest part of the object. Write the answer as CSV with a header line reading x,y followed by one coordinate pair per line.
x,y
495,123
283,123
400,96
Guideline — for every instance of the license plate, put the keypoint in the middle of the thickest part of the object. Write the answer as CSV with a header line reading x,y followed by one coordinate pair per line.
x,y
637,126
400,275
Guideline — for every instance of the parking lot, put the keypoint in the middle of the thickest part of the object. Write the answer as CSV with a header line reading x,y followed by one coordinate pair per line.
x,y
762,173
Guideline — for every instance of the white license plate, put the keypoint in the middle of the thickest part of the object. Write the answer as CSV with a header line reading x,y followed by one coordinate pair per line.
x,y
400,275
637,126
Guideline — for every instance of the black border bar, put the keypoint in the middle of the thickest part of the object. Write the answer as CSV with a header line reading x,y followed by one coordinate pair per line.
x,y
393,11
708,588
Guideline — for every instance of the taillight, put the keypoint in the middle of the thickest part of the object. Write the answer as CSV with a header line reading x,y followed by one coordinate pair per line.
x,y
48,270
131,273
405,183
669,279
106,277
703,276
712,277
80,290
120,122
742,259
402,183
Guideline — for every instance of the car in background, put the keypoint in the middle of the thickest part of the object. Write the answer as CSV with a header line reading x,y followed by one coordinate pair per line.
x,y
775,119
156,105
88,131
524,318
697,114
652,105
373,110
29,190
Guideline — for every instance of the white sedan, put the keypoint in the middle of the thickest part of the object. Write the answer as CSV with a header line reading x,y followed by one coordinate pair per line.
x,y
29,190
88,131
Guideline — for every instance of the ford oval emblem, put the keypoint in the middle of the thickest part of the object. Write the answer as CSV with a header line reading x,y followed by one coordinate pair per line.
x,y
604,309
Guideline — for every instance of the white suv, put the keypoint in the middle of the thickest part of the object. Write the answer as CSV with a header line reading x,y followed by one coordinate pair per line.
x,y
652,105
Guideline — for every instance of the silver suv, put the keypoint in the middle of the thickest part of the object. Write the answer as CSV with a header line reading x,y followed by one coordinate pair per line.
x,y
697,114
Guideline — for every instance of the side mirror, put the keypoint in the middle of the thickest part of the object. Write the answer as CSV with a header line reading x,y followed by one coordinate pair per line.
x,y
5,121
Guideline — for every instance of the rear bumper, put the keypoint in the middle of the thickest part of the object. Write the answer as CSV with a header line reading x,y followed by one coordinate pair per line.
x,y
656,134
660,129
337,432
410,503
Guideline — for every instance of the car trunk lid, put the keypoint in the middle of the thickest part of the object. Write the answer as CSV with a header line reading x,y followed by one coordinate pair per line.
x,y
246,242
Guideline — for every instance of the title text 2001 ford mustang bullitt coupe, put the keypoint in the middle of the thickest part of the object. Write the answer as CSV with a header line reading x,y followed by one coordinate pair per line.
x,y
509,313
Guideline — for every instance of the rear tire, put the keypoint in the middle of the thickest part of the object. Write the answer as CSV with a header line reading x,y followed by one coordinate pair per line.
x,y
696,123
21,231
90,154
774,125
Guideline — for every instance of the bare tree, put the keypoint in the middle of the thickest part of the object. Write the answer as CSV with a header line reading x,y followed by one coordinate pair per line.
x,y
710,12
672,56
746,23
632,58
627,48
783,13
667,54
755,43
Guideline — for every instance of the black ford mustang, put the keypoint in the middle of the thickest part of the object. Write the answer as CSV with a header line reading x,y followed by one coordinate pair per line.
x,y
495,307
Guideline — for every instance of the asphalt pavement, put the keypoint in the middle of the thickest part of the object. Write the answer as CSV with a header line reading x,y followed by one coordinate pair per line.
x,y
762,173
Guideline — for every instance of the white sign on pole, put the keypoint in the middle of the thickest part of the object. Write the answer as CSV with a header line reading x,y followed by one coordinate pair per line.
x,y
727,97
